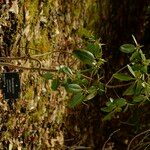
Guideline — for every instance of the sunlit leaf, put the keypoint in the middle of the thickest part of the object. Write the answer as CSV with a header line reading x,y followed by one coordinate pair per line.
x,y
127,48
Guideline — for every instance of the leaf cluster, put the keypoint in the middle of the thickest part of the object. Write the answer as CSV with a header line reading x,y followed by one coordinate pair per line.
x,y
87,82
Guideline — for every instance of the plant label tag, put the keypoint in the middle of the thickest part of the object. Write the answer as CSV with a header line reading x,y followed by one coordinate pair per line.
x,y
10,85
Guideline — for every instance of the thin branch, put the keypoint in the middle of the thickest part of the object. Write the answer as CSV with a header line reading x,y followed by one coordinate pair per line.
x,y
103,148
118,86
86,77
137,137
146,145
116,72
13,58
27,68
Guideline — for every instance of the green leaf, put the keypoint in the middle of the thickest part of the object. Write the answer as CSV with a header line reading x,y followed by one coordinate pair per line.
x,y
109,103
139,98
90,96
107,117
95,49
47,76
118,109
131,70
122,77
85,56
101,88
55,83
120,102
85,82
144,69
92,93
66,70
108,108
85,33
92,89
135,56
130,90
142,55
138,73
127,48
138,88
76,100
146,62
74,88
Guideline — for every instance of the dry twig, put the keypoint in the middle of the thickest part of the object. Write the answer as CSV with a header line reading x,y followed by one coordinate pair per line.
x,y
103,148
144,132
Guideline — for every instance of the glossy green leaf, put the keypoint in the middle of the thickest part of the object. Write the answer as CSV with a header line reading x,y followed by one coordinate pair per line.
x,y
85,56
74,88
122,77
55,83
47,76
127,48
76,100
